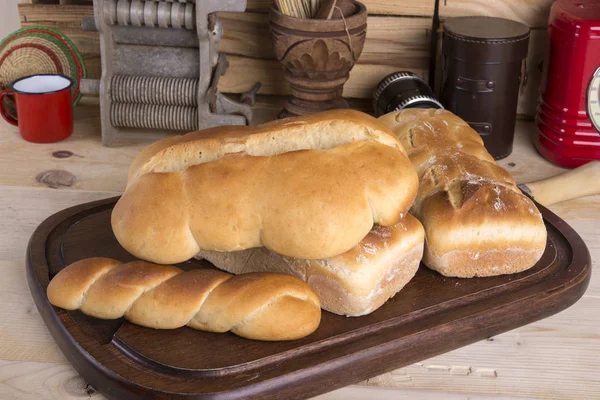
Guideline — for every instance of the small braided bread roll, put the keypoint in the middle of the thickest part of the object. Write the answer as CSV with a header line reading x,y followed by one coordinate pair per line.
x,y
260,306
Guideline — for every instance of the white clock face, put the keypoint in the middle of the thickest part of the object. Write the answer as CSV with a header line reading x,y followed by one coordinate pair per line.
x,y
593,100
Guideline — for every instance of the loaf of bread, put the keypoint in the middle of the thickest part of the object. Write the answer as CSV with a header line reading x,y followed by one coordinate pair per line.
x,y
354,283
477,222
307,187
260,306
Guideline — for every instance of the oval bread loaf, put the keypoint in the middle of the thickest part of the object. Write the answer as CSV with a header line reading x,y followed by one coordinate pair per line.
x,y
477,222
308,187
261,306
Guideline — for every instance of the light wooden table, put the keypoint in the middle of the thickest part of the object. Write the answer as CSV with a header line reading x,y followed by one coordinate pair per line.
x,y
556,358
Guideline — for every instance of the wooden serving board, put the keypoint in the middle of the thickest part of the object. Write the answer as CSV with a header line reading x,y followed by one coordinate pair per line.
x,y
431,315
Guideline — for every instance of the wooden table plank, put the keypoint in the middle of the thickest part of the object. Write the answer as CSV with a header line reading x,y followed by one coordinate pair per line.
x,y
551,359
94,166
378,393
52,381
23,335
43,381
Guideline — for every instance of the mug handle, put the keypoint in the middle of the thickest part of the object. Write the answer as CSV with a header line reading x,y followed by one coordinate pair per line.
x,y
3,111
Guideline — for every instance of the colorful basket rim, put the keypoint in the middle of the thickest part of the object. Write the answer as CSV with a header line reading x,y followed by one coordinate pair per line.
x,y
69,50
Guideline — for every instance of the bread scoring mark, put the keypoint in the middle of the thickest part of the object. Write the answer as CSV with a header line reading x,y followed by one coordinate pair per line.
x,y
433,173
411,138
322,135
455,193
498,204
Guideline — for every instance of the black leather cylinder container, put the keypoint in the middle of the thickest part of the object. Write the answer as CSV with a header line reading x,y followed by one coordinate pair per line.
x,y
481,75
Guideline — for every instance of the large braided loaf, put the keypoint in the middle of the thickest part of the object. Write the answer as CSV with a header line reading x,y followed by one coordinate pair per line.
x,y
308,187
476,220
261,306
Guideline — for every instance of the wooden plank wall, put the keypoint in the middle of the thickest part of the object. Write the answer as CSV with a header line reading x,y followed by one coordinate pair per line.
x,y
397,39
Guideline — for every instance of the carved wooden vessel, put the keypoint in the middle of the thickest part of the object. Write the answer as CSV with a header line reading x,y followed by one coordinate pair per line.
x,y
317,56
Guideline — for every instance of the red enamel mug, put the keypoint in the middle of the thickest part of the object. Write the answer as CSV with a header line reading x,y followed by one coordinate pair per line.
x,y
44,107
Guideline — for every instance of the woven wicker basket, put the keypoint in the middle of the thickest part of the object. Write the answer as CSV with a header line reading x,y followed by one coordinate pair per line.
x,y
39,50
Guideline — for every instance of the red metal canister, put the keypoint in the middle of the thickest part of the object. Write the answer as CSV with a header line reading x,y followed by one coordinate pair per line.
x,y
568,115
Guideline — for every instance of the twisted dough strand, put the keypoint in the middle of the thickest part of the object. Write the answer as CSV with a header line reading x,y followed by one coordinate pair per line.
x,y
261,306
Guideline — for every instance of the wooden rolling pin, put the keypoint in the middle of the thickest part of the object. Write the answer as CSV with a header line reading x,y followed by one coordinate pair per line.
x,y
578,182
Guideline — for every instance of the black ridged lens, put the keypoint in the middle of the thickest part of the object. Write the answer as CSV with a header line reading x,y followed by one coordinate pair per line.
x,y
403,90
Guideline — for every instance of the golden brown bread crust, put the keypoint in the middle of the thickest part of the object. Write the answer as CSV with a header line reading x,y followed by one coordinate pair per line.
x,y
477,222
354,283
324,130
291,186
260,306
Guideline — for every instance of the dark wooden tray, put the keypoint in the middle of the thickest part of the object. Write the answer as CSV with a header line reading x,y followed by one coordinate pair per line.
x,y
432,315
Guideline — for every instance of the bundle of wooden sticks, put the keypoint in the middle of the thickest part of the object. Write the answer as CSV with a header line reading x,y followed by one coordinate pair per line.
x,y
316,9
